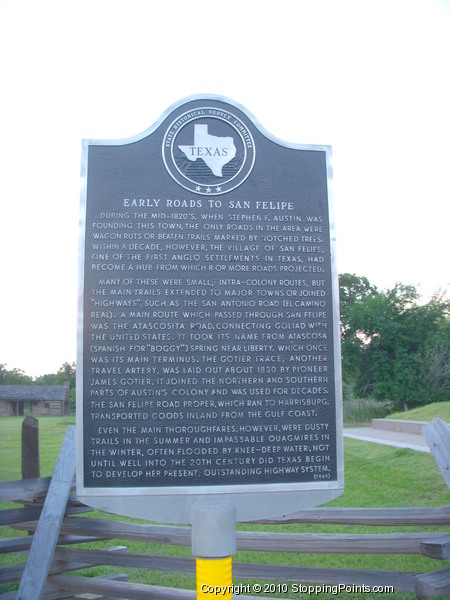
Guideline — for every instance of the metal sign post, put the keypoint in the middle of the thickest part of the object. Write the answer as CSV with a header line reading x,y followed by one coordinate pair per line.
x,y
213,545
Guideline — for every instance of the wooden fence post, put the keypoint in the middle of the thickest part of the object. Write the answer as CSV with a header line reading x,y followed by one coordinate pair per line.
x,y
437,434
30,448
47,531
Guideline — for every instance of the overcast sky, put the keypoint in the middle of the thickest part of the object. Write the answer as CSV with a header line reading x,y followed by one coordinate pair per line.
x,y
369,78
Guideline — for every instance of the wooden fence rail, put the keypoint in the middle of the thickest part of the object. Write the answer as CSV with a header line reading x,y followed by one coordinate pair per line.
x,y
54,534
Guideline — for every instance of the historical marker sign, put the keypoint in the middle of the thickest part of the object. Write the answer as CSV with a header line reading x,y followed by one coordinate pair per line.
x,y
209,362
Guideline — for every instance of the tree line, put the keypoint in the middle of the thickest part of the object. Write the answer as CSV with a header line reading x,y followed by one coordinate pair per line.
x,y
394,348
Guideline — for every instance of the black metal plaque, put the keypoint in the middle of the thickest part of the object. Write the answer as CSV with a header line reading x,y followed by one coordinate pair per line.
x,y
208,342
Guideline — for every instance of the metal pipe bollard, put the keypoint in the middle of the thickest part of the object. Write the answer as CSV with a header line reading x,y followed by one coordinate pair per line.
x,y
213,544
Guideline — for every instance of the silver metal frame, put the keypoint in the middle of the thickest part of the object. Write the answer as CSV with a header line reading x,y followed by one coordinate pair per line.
x,y
172,504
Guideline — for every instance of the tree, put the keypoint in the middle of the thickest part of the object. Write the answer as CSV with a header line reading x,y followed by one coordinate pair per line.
x,y
13,377
435,362
393,347
353,292
67,372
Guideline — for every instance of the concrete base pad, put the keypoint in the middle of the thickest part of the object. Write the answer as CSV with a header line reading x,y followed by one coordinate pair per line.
x,y
388,437
399,425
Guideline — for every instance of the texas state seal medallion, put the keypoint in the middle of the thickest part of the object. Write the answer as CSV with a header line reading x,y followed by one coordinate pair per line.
x,y
208,151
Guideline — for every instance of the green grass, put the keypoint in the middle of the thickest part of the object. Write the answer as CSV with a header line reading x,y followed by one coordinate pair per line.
x,y
51,434
376,476
425,413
